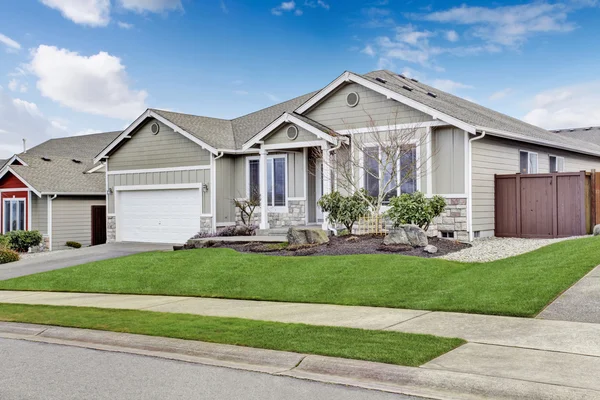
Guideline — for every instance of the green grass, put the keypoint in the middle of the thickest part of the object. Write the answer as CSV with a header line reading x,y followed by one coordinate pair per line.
x,y
518,286
381,346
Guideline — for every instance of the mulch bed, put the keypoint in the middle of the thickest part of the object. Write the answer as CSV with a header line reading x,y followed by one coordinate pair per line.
x,y
345,245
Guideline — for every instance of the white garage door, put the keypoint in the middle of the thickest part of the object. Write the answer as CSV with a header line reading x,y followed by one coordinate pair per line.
x,y
158,216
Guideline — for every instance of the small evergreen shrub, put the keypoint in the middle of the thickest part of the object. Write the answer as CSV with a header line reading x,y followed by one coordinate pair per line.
x,y
415,208
8,255
21,241
4,242
345,210
74,245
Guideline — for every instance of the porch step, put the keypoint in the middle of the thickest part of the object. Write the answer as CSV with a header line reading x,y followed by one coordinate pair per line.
x,y
282,231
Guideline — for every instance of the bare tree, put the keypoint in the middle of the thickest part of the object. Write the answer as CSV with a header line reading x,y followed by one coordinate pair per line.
x,y
248,206
383,162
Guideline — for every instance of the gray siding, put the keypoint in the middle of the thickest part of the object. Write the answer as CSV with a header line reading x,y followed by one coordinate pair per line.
x,y
72,220
161,178
372,109
39,214
448,161
164,150
500,156
225,187
280,136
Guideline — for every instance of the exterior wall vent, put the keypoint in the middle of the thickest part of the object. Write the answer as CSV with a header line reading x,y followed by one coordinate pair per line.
x,y
155,128
352,99
292,132
447,234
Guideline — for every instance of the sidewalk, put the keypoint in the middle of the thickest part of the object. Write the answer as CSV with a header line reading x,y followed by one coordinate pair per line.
x,y
531,350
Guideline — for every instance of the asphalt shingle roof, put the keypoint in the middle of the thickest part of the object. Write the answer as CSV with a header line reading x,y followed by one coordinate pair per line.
x,y
590,134
61,174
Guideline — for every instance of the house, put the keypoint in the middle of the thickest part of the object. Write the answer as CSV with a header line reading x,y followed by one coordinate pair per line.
x,y
56,189
170,175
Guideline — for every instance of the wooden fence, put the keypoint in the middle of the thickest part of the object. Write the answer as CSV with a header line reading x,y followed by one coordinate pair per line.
x,y
546,205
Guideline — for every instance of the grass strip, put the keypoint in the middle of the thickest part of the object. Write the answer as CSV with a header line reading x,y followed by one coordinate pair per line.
x,y
360,344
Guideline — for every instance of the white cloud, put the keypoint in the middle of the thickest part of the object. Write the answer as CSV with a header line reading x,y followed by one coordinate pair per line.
x,y
298,12
155,6
286,6
224,6
448,85
315,4
510,25
500,94
408,34
16,86
20,119
124,25
566,107
84,12
97,84
273,98
88,131
11,45
452,36
368,50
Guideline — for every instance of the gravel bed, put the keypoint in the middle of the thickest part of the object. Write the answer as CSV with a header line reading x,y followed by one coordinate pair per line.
x,y
490,249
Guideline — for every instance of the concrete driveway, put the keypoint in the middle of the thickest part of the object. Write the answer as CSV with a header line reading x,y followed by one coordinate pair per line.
x,y
70,258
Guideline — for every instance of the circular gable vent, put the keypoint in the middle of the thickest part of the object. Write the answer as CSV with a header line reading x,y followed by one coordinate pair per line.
x,y
155,128
352,99
292,132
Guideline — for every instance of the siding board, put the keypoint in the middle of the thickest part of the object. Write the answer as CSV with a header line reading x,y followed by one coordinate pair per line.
x,y
72,220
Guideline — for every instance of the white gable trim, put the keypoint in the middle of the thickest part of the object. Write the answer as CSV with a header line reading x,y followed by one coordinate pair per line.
x,y
151,114
13,158
288,118
8,169
96,168
351,77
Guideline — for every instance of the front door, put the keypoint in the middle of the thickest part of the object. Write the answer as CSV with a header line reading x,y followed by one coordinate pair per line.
x,y
319,188
98,225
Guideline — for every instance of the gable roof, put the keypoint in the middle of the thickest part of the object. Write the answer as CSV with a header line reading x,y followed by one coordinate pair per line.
x,y
61,174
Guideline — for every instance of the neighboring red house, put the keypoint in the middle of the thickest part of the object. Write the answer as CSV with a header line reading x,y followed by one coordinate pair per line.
x,y
15,204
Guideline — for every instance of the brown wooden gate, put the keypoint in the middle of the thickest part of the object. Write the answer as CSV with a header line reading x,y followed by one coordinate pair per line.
x,y
98,225
544,205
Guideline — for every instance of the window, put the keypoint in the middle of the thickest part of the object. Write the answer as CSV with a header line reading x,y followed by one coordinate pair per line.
x,y
406,182
557,164
276,180
528,162
14,215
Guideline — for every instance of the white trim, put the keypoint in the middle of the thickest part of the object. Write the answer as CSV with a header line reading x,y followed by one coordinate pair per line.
x,y
174,186
212,188
429,161
385,128
564,161
219,224
111,214
6,199
287,118
14,190
287,183
151,114
94,169
49,222
13,158
469,184
351,77
297,198
292,145
305,163
537,161
151,170
29,209
75,193
451,196
232,151
8,169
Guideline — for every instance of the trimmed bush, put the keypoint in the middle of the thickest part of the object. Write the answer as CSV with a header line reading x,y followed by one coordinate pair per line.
x,y
345,210
21,241
74,245
4,242
415,209
8,255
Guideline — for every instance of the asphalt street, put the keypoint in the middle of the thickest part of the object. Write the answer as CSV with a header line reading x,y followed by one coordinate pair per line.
x,y
30,370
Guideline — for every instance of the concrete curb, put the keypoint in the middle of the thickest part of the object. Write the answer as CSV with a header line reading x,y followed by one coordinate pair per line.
x,y
369,375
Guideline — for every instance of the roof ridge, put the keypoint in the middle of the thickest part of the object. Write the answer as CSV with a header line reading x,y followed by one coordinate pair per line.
x,y
277,104
190,115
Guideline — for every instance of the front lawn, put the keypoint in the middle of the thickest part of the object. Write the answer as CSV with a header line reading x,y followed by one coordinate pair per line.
x,y
381,346
518,286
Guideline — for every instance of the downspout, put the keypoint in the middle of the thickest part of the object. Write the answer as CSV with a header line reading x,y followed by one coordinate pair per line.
x,y
328,151
213,189
470,187
50,198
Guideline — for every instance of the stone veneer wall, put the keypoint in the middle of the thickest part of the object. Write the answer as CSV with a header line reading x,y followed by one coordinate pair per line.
x,y
453,219
295,216
111,227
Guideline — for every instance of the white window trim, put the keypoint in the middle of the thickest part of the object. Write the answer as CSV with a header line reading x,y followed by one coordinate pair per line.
x,y
362,164
537,164
273,209
152,170
557,158
7,199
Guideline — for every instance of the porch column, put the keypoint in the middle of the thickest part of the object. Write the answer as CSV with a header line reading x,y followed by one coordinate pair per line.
x,y
264,216
326,176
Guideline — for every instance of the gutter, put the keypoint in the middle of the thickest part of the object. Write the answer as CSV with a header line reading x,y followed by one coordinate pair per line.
x,y
470,186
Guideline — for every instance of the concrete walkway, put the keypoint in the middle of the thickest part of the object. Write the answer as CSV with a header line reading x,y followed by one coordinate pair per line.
x,y
534,350
581,303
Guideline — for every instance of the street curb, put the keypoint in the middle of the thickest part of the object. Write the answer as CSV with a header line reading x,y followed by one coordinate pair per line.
x,y
437,384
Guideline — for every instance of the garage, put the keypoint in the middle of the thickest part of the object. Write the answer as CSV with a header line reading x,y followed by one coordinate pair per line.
x,y
158,216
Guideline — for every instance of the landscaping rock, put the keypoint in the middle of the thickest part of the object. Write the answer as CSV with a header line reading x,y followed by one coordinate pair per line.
x,y
299,236
596,230
407,234
431,249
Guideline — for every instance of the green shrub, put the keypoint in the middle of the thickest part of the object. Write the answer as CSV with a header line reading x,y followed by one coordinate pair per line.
x,y
4,242
415,209
345,210
21,241
74,245
8,255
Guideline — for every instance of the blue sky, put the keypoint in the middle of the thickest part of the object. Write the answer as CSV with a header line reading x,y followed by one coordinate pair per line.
x,y
72,67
